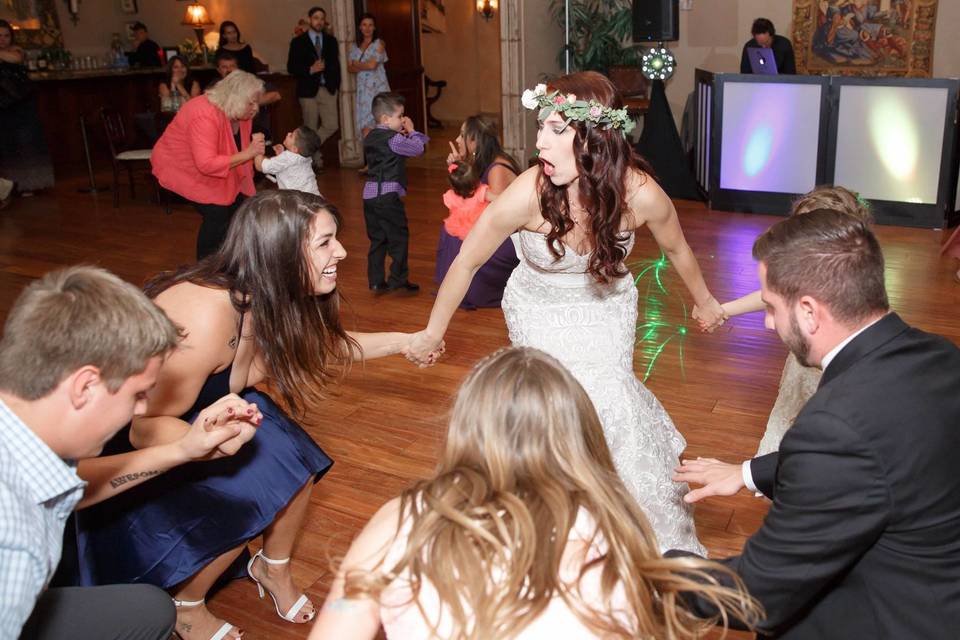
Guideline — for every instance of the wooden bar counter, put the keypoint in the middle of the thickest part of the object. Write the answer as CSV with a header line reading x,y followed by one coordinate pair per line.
x,y
63,97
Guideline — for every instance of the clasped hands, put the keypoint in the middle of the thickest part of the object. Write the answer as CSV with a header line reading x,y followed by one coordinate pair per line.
x,y
710,315
422,350
221,429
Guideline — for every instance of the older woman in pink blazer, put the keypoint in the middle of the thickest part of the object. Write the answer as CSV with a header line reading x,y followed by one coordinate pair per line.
x,y
206,154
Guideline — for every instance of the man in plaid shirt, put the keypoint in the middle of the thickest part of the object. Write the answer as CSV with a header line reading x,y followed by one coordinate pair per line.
x,y
80,350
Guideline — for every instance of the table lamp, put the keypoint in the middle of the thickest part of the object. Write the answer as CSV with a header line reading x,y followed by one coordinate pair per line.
x,y
198,18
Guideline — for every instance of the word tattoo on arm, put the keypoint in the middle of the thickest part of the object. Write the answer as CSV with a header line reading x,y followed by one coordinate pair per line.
x,y
130,477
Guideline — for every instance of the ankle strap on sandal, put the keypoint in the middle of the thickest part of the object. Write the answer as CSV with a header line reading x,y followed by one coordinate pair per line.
x,y
188,603
260,555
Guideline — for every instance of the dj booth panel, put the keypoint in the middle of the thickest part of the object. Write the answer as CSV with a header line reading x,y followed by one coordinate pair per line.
x,y
892,140
889,142
764,140
770,137
767,142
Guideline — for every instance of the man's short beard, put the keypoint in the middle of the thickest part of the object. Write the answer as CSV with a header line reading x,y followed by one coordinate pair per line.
x,y
798,343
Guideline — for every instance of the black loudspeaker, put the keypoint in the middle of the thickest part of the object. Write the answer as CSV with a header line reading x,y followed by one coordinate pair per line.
x,y
656,20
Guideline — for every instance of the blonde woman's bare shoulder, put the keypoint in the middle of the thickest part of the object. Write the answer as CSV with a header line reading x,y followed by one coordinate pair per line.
x,y
372,543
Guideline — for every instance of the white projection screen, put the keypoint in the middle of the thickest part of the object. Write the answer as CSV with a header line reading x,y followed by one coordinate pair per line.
x,y
770,136
890,141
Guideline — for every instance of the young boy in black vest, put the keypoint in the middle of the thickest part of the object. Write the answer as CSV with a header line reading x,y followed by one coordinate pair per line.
x,y
387,147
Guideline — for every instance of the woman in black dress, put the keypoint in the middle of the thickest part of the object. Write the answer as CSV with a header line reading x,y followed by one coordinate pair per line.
x,y
231,41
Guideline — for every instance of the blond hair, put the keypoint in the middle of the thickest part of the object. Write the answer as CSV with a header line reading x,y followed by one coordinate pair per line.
x,y
233,93
838,199
75,317
524,453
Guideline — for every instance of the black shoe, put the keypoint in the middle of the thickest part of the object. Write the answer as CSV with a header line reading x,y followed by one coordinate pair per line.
x,y
380,287
406,287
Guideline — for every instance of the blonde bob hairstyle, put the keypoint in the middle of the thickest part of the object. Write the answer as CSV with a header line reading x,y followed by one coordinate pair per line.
x,y
233,93
524,453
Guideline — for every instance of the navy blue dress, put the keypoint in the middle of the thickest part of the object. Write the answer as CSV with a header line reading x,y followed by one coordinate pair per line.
x,y
167,529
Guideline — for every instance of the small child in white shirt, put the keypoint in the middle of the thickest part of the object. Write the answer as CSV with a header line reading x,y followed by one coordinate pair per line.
x,y
292,166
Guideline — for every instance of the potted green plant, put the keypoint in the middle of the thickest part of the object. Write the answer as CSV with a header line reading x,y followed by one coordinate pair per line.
x,y
601,39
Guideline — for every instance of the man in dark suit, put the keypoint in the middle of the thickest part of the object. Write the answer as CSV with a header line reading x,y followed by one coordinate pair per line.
x,y
314,59
863,537
148,52
765,36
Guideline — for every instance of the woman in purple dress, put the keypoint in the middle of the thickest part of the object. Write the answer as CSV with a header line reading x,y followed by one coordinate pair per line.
x,y
479,146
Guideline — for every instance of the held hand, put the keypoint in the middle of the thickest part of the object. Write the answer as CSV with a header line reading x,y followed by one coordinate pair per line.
x,y
318,66
257,146
422,350
454,155
718,478
277,149
221,429
709,316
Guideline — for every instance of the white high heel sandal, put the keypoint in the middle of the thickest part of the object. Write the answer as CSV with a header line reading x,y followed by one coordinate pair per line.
x,y
291,614
220,634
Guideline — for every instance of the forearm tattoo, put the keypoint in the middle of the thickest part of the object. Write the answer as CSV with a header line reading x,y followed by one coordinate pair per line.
x,y
130,477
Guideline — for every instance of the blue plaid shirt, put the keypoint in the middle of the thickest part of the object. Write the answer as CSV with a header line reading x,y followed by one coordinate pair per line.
x,y
38,491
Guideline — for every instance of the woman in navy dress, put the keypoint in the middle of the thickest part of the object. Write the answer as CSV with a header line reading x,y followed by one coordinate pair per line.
x,y
479,145
263,308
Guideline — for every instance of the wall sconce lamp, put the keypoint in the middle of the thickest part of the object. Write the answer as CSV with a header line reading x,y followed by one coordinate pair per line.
x,y
198,18
487,8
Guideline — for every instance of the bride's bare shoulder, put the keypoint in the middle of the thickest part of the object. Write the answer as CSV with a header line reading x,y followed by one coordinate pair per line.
x,y
643,195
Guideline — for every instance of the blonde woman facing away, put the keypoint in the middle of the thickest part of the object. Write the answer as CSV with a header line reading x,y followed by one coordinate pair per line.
x,y
524,531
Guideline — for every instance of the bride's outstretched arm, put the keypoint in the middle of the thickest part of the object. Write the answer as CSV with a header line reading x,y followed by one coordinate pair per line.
x,y
512,209
654,207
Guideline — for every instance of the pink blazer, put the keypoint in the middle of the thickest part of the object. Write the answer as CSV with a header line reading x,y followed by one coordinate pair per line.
x,y
192,157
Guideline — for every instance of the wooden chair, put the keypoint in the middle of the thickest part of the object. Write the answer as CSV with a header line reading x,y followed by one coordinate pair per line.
x,y
116,135
432,122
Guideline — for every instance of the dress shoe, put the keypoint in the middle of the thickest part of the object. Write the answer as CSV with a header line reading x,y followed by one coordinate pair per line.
x,y
406,287
379,288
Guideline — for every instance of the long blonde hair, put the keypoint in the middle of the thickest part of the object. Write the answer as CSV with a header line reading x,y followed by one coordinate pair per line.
x,y
524,453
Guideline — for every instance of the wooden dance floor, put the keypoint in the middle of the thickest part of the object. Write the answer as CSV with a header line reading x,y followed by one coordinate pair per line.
x,y
385,424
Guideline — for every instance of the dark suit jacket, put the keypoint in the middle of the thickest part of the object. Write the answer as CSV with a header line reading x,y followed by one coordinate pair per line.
x,y
147,55
782,55
302,54
863,537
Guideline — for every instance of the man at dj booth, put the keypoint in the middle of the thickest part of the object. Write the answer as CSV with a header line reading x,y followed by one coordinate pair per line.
x,y
765,36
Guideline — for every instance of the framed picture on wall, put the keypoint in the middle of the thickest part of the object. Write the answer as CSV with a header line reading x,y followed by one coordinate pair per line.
x,y
128,6
128,30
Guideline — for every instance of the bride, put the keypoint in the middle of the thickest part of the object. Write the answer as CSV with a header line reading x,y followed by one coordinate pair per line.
x,y
571,295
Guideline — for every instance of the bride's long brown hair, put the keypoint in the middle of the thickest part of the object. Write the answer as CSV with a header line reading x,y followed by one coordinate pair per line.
x,y
524,453
604,159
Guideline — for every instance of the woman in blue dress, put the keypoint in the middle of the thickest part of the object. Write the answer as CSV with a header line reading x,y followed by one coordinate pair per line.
x,y
366,59
264,308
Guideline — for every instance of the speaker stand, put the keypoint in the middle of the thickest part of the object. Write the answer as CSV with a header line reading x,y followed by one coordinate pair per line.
x,y
661,146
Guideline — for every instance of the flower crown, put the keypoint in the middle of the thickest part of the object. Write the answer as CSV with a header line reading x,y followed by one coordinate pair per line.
x,y
591,112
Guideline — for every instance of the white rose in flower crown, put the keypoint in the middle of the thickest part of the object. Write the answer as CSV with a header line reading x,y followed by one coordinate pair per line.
x,y
540,89
529,99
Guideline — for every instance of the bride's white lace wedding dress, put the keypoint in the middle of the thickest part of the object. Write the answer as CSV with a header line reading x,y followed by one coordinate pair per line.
x,y
555,306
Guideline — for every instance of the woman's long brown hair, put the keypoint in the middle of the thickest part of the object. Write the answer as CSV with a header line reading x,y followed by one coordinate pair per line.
x,y
263,264
604,160
525,452
483,132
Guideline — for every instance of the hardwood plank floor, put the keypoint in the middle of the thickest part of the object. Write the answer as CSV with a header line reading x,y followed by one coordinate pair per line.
x,y
385,423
